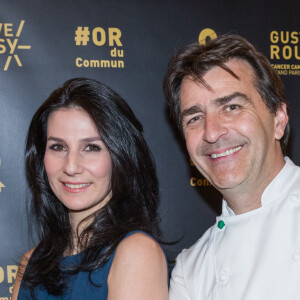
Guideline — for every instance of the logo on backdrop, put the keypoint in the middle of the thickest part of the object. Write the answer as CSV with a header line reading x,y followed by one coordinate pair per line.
x,y
108,40
206,35
284,52
198,181
10,273
1,184
9,45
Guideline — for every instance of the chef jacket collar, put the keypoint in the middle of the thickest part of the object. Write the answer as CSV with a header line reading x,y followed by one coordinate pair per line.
x,y
275,188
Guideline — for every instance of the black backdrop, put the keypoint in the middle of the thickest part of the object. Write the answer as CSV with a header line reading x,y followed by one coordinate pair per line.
x,y
127,45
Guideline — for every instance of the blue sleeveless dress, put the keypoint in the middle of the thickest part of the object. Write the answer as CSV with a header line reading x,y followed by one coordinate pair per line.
x,y
80,287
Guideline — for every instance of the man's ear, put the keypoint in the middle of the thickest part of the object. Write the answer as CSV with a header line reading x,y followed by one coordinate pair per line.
x,y
281,120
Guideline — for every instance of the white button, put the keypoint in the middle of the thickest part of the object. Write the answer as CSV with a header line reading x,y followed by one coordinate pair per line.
x,y
294,198
224,277
296,257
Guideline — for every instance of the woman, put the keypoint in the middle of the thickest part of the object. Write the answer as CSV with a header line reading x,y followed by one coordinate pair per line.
x,y
94,197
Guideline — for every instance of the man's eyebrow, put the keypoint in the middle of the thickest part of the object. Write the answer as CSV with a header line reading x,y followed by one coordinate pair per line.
x,y
224,100
191,110
219,101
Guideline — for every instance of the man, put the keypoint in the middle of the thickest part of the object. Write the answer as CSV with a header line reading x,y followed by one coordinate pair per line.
x,y
229,104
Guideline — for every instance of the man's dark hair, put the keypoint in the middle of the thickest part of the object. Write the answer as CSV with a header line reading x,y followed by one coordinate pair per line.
x,y
196,60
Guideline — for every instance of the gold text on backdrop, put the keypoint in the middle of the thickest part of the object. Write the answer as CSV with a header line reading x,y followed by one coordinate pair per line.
x,y
9,44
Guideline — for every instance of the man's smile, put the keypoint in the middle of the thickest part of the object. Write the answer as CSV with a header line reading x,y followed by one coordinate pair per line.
x,y
226,153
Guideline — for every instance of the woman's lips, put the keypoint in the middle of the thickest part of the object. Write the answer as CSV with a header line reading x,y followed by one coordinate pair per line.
x,y
75,187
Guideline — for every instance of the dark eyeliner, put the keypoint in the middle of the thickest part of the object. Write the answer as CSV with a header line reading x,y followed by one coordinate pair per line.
x,y
95,148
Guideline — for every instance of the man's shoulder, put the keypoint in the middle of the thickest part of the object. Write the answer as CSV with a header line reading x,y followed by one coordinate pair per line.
x,y
291,166
200,249
291,176
286,182
192,263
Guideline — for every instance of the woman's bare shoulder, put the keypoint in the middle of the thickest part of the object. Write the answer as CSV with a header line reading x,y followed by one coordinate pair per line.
x,y
27,255
21,269
139,269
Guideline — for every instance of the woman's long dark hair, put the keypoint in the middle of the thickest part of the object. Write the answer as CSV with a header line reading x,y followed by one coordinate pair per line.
x,y
134,185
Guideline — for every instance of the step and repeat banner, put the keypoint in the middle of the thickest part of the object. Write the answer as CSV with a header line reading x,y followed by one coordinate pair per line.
x,y
127,45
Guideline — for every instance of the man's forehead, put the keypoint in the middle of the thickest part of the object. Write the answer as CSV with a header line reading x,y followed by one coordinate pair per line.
x,y
230,69
237,73
206,84
218,84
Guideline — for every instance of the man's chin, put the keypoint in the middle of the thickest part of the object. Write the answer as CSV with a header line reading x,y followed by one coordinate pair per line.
x,y
222,184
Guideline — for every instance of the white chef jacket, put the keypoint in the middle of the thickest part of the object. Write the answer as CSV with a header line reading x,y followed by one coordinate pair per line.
x,y
255,256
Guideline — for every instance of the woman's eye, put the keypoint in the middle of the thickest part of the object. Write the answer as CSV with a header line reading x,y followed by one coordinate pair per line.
x,y
92,148
57,147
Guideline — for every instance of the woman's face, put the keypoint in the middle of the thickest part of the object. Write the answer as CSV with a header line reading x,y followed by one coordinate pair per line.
x,y
77,162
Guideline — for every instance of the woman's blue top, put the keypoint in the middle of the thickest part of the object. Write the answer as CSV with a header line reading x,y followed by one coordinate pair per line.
x,y
79,286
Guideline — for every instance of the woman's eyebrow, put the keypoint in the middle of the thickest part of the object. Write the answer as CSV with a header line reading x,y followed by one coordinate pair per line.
x,y
55,139
92,139
86,140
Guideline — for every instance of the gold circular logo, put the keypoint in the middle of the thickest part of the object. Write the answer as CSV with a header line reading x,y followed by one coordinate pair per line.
x,y
206,35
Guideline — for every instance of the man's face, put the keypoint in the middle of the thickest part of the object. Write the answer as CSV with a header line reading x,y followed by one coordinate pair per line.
x,y
231,136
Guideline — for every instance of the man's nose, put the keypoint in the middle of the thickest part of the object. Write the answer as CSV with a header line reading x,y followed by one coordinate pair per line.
x,y
214,128
73,164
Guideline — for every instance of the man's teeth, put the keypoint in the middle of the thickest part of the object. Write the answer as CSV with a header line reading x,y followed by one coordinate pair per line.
x,y
77,186
227,152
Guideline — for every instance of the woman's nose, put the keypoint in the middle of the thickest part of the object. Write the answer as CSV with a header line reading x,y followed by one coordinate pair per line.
x,y
73,164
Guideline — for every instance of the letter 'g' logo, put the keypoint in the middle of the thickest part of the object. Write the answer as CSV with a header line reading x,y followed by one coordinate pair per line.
x,y
206,35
